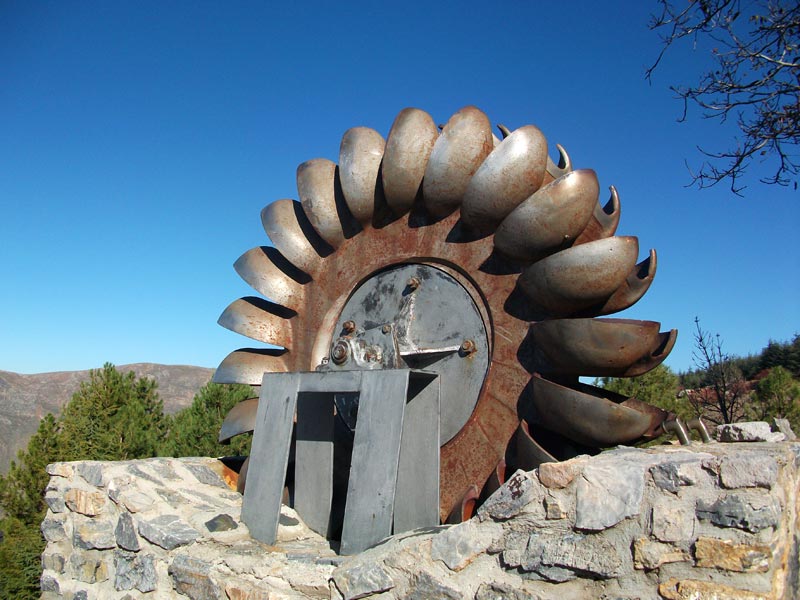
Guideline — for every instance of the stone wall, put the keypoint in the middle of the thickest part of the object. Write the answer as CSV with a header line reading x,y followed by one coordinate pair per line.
x,y
707,521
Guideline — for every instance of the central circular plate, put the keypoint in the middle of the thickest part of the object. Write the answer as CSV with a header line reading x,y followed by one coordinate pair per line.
x,y
436,326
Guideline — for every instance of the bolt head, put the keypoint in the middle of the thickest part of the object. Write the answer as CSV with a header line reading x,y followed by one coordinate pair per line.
x,y
467,346
386,328
349,326
413,283
339,352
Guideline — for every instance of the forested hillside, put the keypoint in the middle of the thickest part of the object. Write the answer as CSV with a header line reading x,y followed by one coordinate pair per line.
x,y
26,399
725,389
112,416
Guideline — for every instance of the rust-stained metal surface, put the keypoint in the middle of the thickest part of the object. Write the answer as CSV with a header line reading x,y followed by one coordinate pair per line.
x,y
512,172
248,365
551,219
408,149
633,288
272,276
599,347
260,320
290,232
527,240
589,415
360,156
604,220
526,453
240,419
465,142
580,277
320,194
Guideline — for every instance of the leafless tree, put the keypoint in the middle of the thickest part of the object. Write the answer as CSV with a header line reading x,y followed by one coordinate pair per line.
x,y
723,398
755,79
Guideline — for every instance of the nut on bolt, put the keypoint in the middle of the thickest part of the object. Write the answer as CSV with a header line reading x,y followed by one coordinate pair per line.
x,y
413,283
339,352
468,347
349,326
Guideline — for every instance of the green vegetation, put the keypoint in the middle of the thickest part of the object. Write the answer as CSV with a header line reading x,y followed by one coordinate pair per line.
x,y
193,431
724,389
658,387
113,416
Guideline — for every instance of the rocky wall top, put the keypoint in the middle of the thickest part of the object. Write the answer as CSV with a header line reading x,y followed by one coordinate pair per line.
x,y
707,521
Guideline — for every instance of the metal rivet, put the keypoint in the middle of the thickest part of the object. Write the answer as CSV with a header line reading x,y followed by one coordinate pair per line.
x,y
349,326
386,328
413,283
468,346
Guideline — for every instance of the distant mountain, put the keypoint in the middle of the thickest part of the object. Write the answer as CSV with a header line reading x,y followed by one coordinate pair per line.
x,y
25,399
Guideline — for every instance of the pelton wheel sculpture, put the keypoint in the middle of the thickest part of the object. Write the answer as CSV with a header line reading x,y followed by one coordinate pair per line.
x,y
471,257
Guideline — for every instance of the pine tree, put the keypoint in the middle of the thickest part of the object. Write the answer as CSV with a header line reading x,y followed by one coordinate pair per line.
x,y
111,417
194,430
776,395
658,387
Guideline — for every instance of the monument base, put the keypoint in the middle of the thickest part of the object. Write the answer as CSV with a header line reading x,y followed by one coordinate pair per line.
x,y
706,521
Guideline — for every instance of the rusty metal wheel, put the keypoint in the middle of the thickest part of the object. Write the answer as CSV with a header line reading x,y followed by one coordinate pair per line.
x,y
522,255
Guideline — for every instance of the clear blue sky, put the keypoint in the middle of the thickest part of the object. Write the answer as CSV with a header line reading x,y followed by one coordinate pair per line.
x,y
139,141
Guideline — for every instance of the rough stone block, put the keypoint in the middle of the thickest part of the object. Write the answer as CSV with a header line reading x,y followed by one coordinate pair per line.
x,y
513,548
168,531
125,533
783,426
191,577
672,475
55,501
690,589
59,470
558,475
672,522
203,474
459,545
426,587
514,495
585,553
608,491
750,431
91,472
502,591
223,522
362,579
649,555
85,502
729,556
53,529
163,466
243,591
53,561
744,471
137,471
748,513
134,500
552,509
92,534
88,567
49,583
134,571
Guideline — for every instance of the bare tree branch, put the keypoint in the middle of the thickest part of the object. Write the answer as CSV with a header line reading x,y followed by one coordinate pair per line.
x,y
755,78
723,399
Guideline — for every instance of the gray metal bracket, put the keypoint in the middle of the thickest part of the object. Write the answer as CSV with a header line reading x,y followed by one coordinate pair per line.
x,y
394,473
